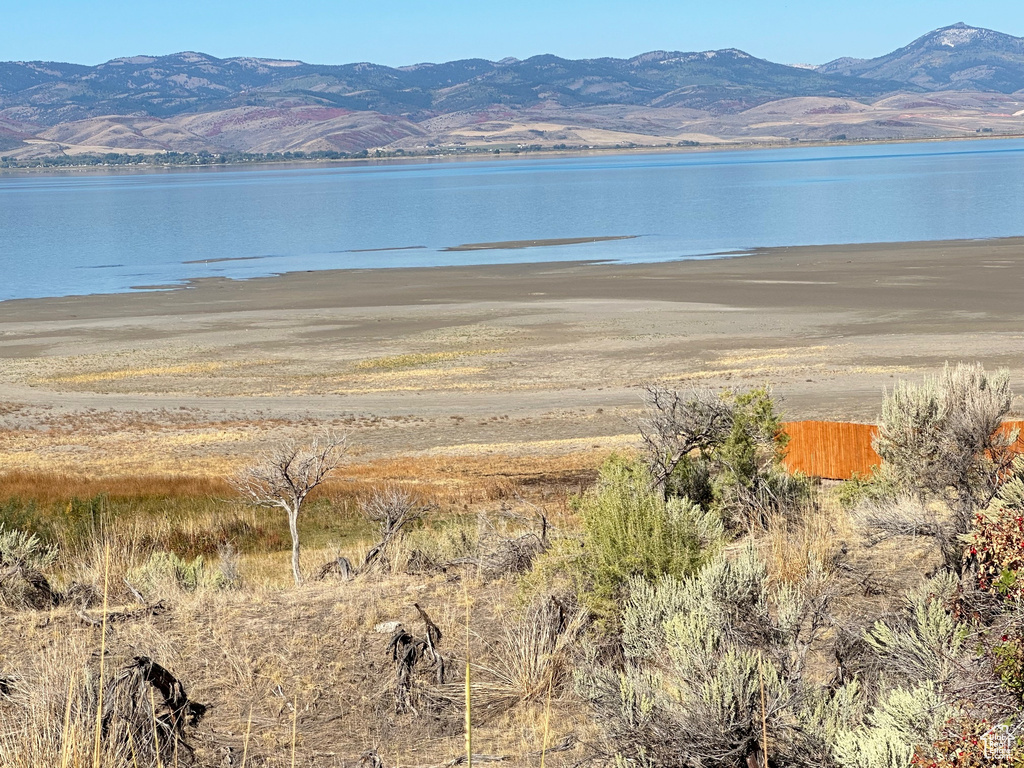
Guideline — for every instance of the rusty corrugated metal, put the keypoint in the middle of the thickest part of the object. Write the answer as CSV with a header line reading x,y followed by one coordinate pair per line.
x,y
831,449
836,450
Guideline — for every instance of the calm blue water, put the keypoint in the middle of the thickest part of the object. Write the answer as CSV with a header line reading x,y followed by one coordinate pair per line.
x,y
90,233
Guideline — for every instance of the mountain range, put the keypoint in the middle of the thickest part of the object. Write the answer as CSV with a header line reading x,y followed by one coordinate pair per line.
x,y
957,80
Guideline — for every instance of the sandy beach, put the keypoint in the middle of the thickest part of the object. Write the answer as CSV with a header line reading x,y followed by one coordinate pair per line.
x,y
540,359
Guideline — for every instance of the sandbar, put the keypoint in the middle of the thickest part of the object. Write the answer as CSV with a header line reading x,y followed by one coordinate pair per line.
x,y
510,245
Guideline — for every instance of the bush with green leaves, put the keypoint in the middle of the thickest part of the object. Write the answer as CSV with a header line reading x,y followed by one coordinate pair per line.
x,y
23,560
925,641
894,732
630,530
715,659
721,449
25,550
996,542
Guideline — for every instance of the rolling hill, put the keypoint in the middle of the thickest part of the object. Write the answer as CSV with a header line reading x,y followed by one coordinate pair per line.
x,y
953,81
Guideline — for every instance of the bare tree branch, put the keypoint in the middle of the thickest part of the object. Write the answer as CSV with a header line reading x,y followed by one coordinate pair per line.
x,y
680,422
283,477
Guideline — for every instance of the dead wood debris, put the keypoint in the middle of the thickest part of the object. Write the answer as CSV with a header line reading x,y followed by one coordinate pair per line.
x,y
407,651
147,712
151,609
25,587
340,567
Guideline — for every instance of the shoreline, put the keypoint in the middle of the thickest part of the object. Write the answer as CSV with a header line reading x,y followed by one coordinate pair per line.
x,y
487,155
194,283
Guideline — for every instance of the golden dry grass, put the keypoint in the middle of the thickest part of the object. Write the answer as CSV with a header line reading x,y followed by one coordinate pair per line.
x,y
418,360
308,658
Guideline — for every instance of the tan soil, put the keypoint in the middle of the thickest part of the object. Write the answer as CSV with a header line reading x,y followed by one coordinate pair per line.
x,y
536,359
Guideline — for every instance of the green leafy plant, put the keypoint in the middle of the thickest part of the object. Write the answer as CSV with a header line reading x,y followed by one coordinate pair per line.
x,y
629,530
166,571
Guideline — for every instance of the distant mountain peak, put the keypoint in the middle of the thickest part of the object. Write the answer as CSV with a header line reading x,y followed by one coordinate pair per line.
x,y
958,57
961,35
243,103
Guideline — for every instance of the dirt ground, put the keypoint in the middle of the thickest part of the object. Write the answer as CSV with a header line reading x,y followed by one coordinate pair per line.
x,y
527,360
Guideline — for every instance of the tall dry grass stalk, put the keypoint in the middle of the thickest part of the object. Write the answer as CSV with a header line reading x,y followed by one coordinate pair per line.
x,y
295,725
66,727
469,686
810,544
764,713
103,653
547,720
248,735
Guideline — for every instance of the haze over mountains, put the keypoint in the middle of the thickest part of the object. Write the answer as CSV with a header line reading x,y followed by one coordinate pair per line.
x,y
955,81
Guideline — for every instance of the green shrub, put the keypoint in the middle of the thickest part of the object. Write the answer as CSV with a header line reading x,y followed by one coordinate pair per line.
x,y
701,653
996,542
1008,661
25,550
166,571
926,642
940,438
864,488
905,721
756,440
692,479
23,558
630,531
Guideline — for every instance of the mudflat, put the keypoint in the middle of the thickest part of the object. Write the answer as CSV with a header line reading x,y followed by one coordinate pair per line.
x,y
522,359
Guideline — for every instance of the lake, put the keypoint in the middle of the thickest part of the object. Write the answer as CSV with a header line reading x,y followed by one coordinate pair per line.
x,y
92,232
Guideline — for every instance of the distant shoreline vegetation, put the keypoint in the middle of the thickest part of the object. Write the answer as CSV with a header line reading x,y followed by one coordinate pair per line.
x,y
205,158
211,159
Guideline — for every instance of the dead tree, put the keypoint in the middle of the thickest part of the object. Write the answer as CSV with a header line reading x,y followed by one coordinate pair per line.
x,y
393,509
407,651
285,475
678,423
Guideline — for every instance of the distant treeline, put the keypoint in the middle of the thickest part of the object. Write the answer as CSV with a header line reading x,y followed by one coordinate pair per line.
x,y
172,158
235,158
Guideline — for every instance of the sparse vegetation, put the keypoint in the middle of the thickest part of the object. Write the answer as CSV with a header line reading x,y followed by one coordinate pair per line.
x,y
726,616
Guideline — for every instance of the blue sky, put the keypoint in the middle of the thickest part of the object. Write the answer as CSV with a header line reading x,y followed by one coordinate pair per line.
x,y
405,32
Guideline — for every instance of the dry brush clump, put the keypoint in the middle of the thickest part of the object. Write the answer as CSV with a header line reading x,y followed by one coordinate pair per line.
x,y
721,450
393,510
530,659
940,440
